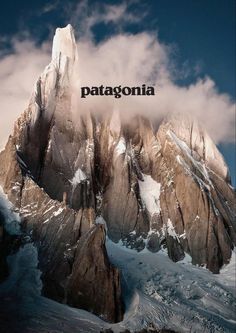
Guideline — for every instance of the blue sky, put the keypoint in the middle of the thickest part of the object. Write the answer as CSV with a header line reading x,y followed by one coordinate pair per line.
x,y
201,34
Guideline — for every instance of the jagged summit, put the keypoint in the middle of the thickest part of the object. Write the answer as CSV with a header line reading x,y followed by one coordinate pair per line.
x,y
162,187
64,43
197,139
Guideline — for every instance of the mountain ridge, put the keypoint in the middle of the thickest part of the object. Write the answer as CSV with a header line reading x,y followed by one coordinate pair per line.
x,y
156,186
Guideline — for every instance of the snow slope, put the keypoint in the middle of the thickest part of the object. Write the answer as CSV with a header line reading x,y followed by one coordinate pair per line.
x,y
150,194
177,296
171,295
24,310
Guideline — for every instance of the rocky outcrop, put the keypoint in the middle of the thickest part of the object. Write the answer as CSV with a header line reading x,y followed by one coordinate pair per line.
x,y
175,192
156,184
72,254
192,200
93,278
11,177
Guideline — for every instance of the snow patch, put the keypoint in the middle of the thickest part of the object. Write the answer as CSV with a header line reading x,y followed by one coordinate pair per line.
x,y
187,151
89,148
58,212
100,220
121,147
48,210
49,145
170,229
150,194
78,177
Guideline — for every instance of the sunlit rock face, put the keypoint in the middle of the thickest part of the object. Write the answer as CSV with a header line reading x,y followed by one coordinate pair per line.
x,y
155,185
46,172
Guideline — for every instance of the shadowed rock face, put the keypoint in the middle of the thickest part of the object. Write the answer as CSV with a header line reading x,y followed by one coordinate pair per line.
x,y
164,185
72,254
93,278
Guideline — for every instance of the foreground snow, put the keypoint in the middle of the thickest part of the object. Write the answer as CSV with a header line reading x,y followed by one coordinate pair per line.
x,y
177,296
23,309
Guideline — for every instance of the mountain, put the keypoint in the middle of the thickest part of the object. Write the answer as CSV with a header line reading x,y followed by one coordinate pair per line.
x,y
151,186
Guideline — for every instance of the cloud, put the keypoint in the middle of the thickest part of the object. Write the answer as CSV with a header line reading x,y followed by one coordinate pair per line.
x,y
49,7
131,60
18,73
123,59
84,16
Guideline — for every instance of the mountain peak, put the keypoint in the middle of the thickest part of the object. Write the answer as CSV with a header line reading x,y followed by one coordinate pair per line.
x,y
64,43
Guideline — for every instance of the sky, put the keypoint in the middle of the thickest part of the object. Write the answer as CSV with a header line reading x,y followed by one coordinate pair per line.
x,y
187,47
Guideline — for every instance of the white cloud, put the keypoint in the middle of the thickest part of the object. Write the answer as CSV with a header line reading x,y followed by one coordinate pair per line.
x,y
49,7
123,59
84,16
18,73
137,59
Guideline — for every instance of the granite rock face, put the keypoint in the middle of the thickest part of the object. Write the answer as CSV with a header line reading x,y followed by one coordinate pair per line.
x,y
56,204
72,254
155,184
93,276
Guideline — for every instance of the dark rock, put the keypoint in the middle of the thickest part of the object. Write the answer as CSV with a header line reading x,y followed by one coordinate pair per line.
x,y
94,284
72,254
194,209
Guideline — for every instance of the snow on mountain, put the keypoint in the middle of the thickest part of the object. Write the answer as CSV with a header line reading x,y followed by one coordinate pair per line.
x,y
78,177
150,194
162,190
64,43
157,291
121,147
178,296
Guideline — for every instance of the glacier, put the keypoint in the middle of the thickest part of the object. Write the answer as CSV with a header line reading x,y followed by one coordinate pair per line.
x,y
156,290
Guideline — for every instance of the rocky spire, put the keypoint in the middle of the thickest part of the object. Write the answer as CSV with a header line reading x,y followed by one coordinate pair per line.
x,y
165,187
64,43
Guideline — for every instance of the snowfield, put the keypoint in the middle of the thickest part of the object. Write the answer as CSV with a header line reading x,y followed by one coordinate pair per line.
x,y
150,193
78,177
178,296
